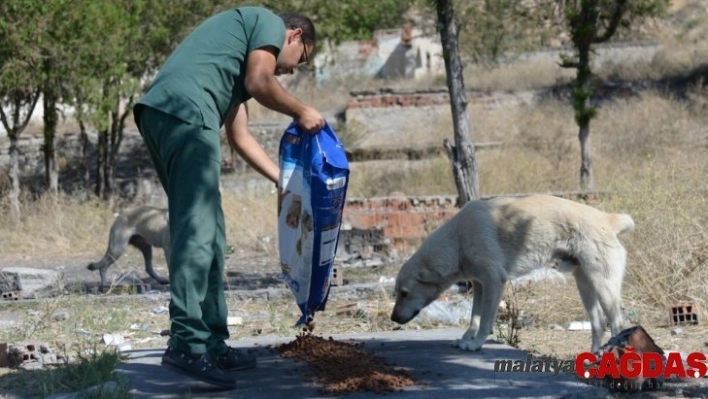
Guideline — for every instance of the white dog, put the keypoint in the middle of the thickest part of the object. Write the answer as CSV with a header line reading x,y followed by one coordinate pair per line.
x,y
489,242
143,227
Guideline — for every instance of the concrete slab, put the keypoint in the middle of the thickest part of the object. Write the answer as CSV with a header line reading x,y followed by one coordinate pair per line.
x,y
442,370
30,282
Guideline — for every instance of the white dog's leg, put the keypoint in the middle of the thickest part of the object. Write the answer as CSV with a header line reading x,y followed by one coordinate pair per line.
x,y
600,288
492,290
589,296
610,294
609,286
476,311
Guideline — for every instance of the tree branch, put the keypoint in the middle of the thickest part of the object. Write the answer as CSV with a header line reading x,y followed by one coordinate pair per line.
x,y
30,111
615,20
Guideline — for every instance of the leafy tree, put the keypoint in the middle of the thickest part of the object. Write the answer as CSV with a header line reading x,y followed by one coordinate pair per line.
x,y
55,77
22,24
591,22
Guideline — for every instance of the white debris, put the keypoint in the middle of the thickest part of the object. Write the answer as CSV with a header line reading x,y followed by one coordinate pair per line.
x,y
113,339
579,326
387,280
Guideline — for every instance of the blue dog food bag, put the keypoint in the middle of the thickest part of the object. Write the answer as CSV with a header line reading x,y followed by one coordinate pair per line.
x,y
314,174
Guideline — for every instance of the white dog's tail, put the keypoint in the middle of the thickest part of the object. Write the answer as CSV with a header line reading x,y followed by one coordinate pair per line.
x,y
621,223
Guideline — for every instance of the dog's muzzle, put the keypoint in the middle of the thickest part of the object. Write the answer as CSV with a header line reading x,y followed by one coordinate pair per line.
x,y
396,317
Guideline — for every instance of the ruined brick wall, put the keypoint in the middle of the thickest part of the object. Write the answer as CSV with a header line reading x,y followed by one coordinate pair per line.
x,y
387,112
405,221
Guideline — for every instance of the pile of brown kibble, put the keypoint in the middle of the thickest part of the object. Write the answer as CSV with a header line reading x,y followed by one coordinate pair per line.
x,y
344,367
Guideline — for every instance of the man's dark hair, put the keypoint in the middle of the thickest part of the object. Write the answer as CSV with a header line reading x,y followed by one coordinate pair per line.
x,y
294,20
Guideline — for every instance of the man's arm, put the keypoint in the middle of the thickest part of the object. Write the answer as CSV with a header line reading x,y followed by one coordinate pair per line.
x,y
261,83
241,140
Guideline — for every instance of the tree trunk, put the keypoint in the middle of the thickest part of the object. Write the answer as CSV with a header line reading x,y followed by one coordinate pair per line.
x,y
85,159
110,164
100,160
584,113
117,126
51,118
15,191
586,177
462,156
14,127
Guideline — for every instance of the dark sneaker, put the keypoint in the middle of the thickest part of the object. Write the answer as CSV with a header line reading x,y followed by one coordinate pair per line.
x,y
234,360
200,367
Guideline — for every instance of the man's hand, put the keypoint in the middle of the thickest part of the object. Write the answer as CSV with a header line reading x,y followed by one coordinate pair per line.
x,y
310,120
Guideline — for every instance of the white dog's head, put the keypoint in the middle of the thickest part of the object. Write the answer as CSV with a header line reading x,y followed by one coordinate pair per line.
x,y
417,285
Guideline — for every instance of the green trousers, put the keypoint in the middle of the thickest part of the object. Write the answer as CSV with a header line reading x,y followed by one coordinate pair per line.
x,y
187,159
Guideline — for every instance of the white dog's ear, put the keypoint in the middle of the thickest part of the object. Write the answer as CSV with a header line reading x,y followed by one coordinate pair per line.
x,y
430,276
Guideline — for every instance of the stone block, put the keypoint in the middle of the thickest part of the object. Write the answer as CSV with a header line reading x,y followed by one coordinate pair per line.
x,y
337,278
685,313
28,282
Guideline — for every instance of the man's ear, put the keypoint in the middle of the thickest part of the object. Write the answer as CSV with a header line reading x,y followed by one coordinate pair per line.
x,y
295,34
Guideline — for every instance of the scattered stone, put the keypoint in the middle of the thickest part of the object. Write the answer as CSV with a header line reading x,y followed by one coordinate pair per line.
x,y
139,327
234,320
556,327
31,356
60,316
160,310
676,332
83,332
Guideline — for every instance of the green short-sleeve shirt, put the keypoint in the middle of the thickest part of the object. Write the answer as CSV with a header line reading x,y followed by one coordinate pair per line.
x,y
203,79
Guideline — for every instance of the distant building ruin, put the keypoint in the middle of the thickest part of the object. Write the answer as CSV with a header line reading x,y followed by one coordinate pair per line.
x,y
393,53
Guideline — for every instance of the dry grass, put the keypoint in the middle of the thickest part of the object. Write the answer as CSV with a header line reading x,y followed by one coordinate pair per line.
x,y
50,229
71,228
